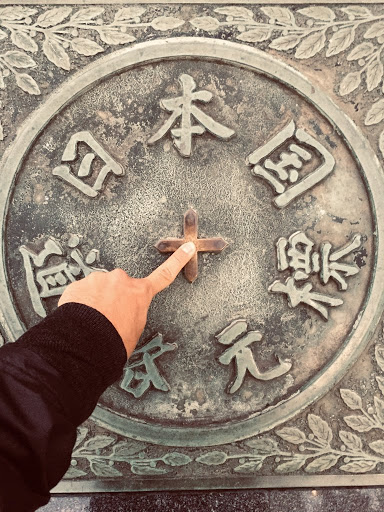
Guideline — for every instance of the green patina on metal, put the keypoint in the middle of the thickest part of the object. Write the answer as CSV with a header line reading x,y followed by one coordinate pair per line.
x,y
238,367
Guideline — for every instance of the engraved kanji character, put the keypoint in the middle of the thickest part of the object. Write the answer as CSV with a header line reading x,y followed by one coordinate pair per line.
x,y
236,335
183,107
137,382
282,174
296,253
304,295
44,280
86,165
330,268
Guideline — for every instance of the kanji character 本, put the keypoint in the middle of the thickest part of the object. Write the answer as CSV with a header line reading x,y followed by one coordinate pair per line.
x,y
86,165
136,381
236,335
282,174
50,280
183,107
296,254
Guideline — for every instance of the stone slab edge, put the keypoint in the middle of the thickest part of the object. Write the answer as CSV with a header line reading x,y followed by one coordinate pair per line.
x,y
194,2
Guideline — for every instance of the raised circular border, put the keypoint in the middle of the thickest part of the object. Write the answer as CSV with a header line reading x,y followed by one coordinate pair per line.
x,y
255,60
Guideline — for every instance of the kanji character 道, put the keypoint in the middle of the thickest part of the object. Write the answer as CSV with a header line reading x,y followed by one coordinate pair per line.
x,y
49,279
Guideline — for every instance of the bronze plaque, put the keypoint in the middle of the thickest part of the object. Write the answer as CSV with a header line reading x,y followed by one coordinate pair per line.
x,y
255,132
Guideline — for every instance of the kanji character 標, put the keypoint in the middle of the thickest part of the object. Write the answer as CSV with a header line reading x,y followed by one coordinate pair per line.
x,y
297,255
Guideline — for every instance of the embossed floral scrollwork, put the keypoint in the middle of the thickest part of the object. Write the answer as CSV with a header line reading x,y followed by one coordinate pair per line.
x,y
305,32
101,453
320,449
62,29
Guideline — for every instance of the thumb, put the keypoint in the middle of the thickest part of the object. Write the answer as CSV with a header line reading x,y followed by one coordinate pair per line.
x,y
164,275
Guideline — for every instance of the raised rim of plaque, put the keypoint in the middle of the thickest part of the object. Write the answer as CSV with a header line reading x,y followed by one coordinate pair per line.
x,y
254,60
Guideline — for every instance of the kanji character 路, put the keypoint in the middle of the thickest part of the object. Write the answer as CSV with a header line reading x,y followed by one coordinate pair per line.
x,y
142,371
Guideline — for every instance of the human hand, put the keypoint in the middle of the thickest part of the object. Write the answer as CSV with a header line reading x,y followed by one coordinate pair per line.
x,y
125,300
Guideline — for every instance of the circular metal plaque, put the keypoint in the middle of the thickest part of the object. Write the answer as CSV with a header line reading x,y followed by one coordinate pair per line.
x,y
210,140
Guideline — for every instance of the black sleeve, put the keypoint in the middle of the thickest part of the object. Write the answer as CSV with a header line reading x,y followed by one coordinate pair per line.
x,y
50,381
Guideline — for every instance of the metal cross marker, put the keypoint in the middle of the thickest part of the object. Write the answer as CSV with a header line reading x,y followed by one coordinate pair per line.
x,y
215,245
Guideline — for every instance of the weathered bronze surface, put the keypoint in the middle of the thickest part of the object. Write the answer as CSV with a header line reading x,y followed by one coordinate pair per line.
x,y
191,235
266,122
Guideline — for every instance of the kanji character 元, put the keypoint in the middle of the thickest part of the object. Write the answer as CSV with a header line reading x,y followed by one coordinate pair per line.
x,y
50,280
282,174
236,335
86,165
137,382
183,107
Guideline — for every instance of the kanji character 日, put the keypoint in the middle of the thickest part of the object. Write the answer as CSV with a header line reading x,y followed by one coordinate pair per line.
x,y
183,108
86,168
283,168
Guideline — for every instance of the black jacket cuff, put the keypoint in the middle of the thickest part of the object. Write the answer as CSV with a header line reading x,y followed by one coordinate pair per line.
x,y
83,346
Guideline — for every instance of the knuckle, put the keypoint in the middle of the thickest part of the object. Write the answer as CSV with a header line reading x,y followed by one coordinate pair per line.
x,y
146,286
166,273
73,287
119,274
97,274
90,277
178,258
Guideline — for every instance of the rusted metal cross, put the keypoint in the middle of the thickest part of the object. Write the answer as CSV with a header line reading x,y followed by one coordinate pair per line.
x,y
215,245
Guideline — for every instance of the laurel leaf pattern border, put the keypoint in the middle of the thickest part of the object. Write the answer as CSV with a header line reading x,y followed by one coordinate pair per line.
x,y
103,454
289,449
303,33
311,30
58,32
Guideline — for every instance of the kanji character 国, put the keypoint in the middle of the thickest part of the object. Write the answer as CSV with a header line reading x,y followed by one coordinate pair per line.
x,y
283,174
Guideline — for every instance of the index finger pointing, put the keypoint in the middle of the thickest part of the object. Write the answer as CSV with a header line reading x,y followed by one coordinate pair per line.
x,y
164,275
